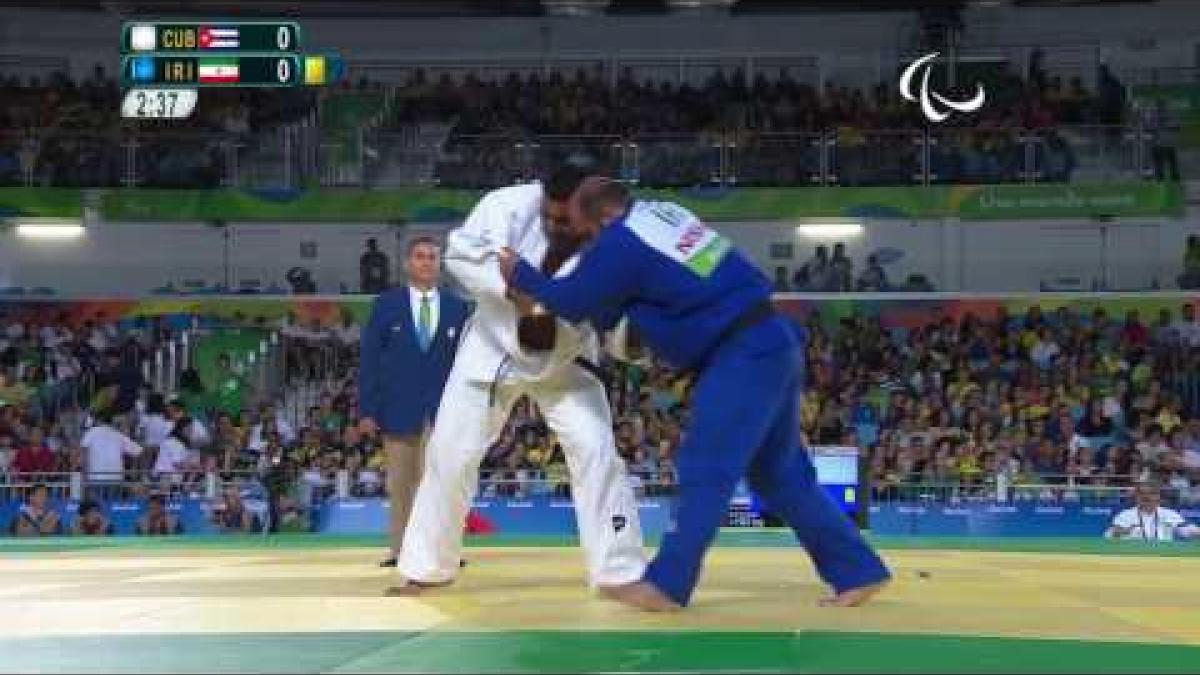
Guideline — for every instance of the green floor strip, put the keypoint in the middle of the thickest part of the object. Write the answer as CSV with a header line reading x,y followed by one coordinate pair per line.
x,y
600,651
733,537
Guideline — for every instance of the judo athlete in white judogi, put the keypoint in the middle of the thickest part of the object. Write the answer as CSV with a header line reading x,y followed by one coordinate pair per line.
x,y
492,370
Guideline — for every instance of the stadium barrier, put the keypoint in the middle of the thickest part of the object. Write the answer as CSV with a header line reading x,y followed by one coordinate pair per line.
x,y
536,504
1030,519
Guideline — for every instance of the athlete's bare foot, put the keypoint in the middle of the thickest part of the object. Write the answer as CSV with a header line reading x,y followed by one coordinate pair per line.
x,y
854,597
642,595
411,587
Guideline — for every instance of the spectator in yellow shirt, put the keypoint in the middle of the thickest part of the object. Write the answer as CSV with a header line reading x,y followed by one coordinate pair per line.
x,y
970,470
1142,373
1168,416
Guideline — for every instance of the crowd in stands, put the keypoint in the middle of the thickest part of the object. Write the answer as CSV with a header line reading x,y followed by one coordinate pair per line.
x,y
74,399
676,126
1063,397
587,103
57,131
60,132
1060,398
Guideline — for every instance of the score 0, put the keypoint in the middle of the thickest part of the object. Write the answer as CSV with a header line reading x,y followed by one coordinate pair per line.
x,y
283,70
285,37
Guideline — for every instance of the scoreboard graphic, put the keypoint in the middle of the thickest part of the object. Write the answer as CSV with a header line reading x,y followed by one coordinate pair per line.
x,y
164,64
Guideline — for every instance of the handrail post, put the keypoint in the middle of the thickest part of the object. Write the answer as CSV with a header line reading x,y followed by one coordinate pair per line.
x,y
76,487
342,484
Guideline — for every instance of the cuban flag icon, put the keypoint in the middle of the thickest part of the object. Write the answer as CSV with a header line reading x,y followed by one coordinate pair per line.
x,y
219,37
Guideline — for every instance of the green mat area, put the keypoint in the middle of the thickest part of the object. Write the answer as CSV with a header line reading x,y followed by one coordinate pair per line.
x,y
680,651
730,537
599,651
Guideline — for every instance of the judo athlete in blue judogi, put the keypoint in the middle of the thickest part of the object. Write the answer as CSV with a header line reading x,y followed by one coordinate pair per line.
x,y
703,306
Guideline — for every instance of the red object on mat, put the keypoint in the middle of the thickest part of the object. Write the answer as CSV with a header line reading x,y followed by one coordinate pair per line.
x,y
477,524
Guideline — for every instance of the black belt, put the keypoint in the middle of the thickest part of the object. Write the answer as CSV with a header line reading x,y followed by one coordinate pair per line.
x,y
597,371
750,317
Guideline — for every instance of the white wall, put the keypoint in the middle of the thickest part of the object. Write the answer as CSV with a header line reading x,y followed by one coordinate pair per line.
x,y
1001,256
132,259
124,259
922,243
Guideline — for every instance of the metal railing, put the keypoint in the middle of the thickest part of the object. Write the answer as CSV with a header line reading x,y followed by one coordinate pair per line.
x,y
61,485
154,158
135,484
526,483
845,156
316,486
290,157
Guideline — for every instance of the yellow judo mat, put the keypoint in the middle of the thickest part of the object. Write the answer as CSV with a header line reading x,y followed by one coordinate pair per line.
x,y
286,605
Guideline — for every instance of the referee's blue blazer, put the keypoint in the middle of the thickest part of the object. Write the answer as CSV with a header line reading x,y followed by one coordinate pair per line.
x,y
400,384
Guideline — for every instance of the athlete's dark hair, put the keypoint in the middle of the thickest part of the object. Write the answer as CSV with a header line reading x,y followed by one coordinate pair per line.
x,y
564,179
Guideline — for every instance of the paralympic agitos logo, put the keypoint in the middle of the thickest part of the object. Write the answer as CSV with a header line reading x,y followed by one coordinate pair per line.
x,y
928,98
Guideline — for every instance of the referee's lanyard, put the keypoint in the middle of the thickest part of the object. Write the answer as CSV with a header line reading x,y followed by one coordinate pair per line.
x,y
1145,533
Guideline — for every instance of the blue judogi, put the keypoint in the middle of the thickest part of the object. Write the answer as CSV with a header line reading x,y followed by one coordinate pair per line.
x,y
682,286
400,379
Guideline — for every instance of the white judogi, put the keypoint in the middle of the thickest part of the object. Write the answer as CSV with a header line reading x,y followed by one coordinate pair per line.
x,y
490,373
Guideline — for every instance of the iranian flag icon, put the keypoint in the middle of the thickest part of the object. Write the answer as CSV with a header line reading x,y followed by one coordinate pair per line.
x,y
218,71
